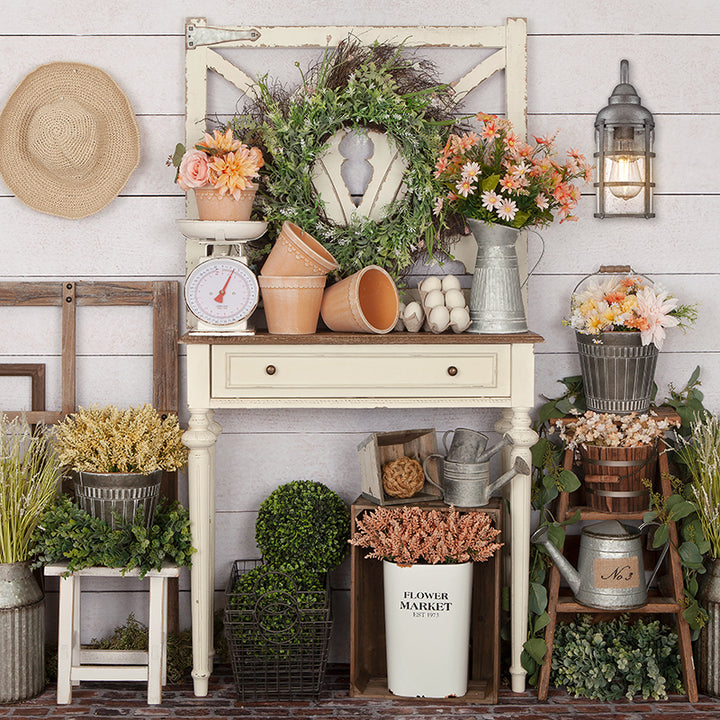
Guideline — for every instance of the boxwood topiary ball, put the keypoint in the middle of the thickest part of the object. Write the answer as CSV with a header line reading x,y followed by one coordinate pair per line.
x,y
303,524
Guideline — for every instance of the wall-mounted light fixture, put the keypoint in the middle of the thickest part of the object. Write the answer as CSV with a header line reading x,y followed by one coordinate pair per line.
x,y
624,134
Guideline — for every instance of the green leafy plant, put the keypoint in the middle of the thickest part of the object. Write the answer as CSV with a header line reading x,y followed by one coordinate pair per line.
x,y
107,440
29,479
607,660
67,533
273,613
303,524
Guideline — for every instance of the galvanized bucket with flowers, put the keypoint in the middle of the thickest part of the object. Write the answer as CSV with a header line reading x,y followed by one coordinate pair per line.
x,y
501,185
619,324
220,170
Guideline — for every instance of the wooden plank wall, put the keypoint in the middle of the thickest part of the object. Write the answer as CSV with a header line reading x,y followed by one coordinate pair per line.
x,y
574,54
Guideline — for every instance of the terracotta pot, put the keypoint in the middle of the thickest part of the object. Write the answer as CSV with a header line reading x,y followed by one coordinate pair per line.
x,y
292,304
364,302
297,254
212,205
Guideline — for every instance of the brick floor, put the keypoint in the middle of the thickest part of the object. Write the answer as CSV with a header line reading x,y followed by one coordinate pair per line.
x,y
127,700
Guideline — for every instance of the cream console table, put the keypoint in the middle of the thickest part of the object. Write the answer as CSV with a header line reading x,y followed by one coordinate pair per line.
x,y
399,370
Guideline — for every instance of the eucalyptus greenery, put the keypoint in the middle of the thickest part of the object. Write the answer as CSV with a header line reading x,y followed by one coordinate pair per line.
x,y
67,533
29,480
606,660
303,524
356,87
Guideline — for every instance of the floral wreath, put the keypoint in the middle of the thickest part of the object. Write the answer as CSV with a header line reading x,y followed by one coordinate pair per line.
x,y
361,87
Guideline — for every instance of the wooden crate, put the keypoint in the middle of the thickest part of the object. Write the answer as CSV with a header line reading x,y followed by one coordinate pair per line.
x,y
368,667
381,448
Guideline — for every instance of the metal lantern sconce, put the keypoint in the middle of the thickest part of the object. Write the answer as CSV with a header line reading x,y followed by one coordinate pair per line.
x,y
624,134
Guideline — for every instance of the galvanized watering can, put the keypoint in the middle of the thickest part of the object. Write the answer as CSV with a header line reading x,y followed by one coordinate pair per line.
x,y
611,573
468,484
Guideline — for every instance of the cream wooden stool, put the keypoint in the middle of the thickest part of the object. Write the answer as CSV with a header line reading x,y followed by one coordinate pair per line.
x,y
76,664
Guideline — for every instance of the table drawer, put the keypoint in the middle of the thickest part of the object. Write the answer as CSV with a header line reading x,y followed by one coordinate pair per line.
x,y
361,371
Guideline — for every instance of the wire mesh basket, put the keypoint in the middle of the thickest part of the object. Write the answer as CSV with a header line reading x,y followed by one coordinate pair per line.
x,y
277,630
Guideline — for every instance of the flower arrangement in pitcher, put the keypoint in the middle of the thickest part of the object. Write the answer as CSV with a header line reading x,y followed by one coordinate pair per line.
x,y
219,161
628,303
492,175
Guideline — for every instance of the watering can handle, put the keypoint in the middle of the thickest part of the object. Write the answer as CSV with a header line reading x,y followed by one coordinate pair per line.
x,y
542,252
662,554
427,474
444,442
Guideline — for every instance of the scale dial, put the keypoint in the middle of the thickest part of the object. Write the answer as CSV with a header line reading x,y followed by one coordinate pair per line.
x,y
221,291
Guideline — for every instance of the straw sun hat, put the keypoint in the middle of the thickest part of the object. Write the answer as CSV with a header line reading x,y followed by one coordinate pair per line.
x,y
69,140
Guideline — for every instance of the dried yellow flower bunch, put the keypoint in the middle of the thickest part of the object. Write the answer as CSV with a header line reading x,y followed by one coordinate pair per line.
x,y
110,440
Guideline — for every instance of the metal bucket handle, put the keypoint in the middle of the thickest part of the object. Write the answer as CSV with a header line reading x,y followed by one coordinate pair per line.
x,y
427,474
542,252
611,270
662,554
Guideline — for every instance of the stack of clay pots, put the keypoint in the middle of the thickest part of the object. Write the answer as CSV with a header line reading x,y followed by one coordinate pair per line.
x,y
292,281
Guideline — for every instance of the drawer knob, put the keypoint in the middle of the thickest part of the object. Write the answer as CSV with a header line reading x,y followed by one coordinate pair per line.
x,y
270,369
452,371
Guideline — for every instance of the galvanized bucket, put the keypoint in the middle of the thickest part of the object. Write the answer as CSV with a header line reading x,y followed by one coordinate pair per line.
x,y
116,498
496,304
22,633
708,667
617,371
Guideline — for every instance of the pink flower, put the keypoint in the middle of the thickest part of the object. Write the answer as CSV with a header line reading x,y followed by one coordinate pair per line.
x,y
541,201
490,199
194,170
655,308
464,188
506,210
439,202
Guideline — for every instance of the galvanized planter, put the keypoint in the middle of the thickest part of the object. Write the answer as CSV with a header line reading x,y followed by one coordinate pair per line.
x,y
116,498
617,371
496,304
22,633
708,666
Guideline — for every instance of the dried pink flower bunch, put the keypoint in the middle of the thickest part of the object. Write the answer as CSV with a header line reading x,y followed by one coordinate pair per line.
x,y
409,535
609,430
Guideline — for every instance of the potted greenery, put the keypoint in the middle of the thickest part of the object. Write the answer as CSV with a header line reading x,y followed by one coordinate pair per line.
x,y
277,617
700,454
29,479
117,458
619,324
428,558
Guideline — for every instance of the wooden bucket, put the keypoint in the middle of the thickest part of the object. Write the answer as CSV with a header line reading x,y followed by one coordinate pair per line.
x,y
616,477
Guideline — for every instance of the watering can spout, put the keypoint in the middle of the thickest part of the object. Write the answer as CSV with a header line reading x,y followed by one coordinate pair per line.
x,y
520,467
505,440
571,575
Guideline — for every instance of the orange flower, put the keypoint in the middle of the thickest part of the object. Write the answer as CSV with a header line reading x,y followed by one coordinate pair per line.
x,y
219,144
233,173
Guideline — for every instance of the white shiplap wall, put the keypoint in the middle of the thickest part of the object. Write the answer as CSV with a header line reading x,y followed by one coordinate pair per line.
x,y
574,51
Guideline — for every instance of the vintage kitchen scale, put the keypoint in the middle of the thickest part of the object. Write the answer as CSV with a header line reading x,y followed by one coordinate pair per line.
x,y
221,291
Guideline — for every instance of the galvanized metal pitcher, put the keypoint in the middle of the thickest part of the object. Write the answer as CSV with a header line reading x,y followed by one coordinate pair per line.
x,y
496,304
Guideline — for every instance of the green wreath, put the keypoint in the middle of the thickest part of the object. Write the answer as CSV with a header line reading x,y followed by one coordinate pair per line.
x,y
361,87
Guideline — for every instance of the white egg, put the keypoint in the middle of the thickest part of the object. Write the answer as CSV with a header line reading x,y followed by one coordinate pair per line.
x,y
459,319
431,283
439,319
413,316
434,298
450,282
454,299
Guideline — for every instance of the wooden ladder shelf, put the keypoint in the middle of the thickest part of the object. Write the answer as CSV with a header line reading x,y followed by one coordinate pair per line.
x,y
564,604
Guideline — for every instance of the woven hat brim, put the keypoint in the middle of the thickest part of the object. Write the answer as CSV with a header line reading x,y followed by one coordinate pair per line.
x,y
118,156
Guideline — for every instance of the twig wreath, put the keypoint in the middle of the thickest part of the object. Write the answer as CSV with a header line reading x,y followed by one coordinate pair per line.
x,y
359,87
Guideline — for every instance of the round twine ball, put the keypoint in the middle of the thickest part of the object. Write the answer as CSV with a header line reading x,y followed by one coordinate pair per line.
x,y
403,477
